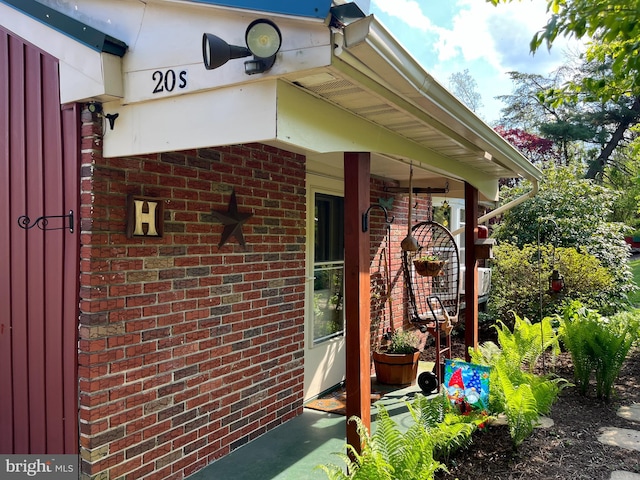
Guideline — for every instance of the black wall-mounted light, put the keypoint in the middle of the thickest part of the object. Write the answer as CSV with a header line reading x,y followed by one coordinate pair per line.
x,y
263,41
96,108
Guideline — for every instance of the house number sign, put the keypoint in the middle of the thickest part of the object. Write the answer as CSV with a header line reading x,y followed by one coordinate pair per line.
x,y
145,216
169,80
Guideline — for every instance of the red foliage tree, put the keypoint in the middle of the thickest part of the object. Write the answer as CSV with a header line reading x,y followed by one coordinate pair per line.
x,y
537,149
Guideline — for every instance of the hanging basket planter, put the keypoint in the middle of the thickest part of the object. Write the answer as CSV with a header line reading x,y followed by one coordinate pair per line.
x,y
429,268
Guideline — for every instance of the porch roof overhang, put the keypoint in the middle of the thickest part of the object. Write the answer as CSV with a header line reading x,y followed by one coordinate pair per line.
x,y
90,61
406,117
332,90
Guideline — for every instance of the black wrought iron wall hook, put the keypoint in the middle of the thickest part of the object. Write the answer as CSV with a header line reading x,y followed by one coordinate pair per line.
x,y
42,222
365,216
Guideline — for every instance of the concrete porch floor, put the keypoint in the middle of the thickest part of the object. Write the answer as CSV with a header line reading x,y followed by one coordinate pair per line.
x,y
293,450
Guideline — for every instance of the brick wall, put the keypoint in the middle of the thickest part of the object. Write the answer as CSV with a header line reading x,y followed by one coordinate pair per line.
x,y
187,350
390,311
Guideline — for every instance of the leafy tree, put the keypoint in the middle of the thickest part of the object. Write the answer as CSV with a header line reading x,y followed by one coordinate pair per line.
x,y
573,213
615,22
611,78
524,108
623,175
528,108
567,210
464,86
567,108
610,107
537,149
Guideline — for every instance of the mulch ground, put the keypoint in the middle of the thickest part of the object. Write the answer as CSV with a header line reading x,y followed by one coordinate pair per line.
x,y
567,450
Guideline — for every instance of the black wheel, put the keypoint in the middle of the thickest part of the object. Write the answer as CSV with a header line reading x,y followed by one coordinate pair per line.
x,y
428,382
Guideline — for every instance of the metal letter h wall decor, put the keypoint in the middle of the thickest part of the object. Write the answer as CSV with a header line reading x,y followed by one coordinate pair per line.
x,y
145,216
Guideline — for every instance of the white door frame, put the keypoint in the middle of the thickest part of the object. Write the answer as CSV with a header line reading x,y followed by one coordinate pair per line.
x,y
325,363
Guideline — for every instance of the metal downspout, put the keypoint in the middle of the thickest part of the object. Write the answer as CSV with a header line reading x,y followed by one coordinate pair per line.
x,y
507,206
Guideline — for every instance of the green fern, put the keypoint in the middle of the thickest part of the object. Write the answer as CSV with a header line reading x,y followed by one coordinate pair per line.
x,y
520,404
437,430
513,387
576,329
388,453
485,354
622,332
598,345
528,341
448,429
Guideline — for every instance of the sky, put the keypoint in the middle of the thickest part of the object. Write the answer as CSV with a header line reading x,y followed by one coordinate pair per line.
x,y
449,36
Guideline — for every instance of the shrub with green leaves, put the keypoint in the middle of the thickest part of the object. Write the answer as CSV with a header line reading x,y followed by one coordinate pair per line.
x,y
415,454
569,212
514,389
520,284
598,345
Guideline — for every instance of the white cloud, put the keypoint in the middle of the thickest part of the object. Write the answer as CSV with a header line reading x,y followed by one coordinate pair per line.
x,y
480,31
409,12
474,34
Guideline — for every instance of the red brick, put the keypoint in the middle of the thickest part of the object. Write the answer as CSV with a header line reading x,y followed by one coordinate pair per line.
x,y
184,322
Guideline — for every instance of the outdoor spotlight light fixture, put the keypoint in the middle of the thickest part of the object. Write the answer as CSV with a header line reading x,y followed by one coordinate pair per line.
x,y
263,41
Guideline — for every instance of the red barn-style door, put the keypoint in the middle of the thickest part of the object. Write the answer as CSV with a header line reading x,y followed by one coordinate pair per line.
x,y
39,158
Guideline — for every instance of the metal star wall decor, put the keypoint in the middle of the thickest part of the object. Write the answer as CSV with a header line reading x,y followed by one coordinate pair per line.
x,y
232,221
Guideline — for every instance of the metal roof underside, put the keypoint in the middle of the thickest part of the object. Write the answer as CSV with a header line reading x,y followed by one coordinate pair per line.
x,y
354,98
375,79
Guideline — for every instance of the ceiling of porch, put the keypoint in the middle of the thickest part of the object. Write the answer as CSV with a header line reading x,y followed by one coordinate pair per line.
x,y
373,78
335,88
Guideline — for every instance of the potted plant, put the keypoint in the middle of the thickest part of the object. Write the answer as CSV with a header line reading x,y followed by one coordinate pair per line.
x,y
396,363
429,265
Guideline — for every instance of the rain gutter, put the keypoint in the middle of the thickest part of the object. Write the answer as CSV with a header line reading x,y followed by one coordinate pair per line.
x,y
370,32
507,206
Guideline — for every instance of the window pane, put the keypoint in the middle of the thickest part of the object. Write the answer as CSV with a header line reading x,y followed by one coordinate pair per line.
x,y
329,228
328,318
328,314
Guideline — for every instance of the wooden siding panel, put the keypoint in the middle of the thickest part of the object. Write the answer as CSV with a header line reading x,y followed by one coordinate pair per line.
x,y
35,254
39,282
6,410
54,265
18,265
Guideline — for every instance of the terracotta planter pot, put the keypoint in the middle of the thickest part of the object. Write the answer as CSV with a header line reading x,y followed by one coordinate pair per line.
x,y
396,368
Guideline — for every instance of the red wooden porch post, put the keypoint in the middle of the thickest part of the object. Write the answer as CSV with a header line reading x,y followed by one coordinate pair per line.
x,y
356,292
471,268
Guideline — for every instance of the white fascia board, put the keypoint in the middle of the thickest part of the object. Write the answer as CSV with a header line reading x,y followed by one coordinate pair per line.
x,y
376,44
77,87
309,123
84,73
226,116
168,45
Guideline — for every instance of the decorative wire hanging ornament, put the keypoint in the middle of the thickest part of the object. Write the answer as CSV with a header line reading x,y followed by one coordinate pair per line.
x,y
555,272
445,212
